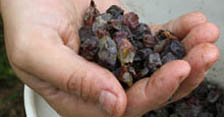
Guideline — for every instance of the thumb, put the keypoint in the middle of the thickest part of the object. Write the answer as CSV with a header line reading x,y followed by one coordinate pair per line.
x,y
150,94
59,65
92,82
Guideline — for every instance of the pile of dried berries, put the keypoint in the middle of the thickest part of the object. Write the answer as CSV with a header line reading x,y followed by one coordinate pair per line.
x,y
206,101
120,43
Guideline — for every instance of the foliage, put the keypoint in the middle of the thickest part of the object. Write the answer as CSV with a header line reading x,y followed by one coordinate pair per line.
x,y
7,76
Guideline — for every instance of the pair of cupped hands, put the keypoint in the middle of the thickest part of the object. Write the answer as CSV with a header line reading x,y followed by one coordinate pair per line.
x,y
42,44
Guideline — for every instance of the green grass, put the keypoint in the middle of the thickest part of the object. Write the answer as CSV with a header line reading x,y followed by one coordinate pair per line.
x,y
11,89
5,69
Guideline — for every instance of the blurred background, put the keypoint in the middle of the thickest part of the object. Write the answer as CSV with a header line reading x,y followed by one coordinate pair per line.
x,y
11,89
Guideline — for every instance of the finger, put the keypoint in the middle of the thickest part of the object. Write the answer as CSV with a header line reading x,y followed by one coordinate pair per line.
x,y
204,33
182,25
201,58
62,67
148,94
65,104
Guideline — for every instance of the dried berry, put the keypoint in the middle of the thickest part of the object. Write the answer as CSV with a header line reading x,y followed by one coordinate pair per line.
x,y
137,44
145,28
89,47
127,78
159,47
213,96
101,22
115,11
107,54
165,34
153,62
124,76
149,41
140,31
101,33
142,73
85,33
126,51
177,49
120,35
132,70
91,13
144,53
115,24
131,20
126,29
168,57
137,57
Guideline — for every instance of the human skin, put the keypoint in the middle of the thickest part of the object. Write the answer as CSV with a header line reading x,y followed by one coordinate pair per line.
x,y
42,45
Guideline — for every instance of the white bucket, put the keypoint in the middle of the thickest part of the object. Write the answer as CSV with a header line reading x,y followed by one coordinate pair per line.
x,y
36,106
153,11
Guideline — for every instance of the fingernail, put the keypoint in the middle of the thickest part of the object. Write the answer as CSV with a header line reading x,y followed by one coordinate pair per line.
x,y
107,101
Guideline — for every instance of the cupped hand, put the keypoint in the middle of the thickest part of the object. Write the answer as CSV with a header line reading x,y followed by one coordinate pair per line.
x,y
177,79
42,45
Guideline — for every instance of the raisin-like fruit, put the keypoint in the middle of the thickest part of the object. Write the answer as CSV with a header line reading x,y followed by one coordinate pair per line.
x,y
126,51
149,41
89,48
126,29
101,22
85,33
159,47
120,35
125,76
153,62
140,31
131,20
132,71
107,54
166,34
91,13
143,73
115,11
177,49
115,24
144,53
168,57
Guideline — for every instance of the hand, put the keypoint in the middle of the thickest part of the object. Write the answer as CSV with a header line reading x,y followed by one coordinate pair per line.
x,y
178,78
41,43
